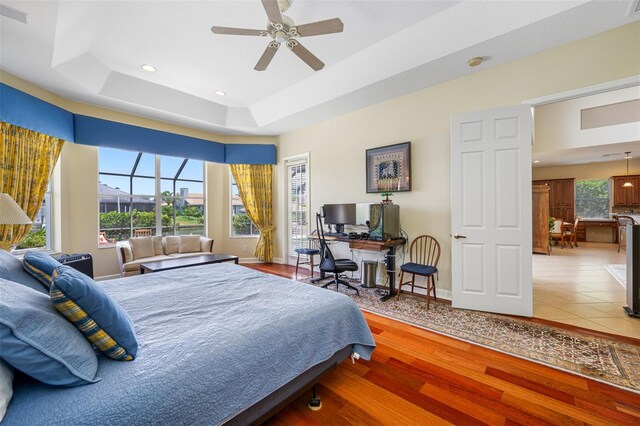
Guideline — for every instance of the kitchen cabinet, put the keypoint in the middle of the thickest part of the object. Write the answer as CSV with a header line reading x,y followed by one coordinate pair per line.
x,y
626,196
562,199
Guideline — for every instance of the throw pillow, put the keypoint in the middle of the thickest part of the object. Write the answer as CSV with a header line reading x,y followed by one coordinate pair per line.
x,y
171,244
40,265
90,308
206,244
6,387
189,244
38,341
157,246
141,247
11,269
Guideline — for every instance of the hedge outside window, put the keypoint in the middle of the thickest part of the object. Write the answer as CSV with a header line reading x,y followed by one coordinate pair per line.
x,y
132,204
241,225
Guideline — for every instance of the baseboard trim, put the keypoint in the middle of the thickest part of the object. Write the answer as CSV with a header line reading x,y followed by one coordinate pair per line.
x,y
279,260
249,260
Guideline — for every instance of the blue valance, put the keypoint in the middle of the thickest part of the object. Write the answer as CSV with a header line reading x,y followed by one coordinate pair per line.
x,y
29,112
98,132
24,110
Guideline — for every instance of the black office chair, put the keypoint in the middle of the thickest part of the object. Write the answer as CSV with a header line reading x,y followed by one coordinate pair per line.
x,y
330,264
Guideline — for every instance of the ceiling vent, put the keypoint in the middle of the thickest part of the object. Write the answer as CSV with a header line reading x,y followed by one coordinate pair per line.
x,y
12,13
635,7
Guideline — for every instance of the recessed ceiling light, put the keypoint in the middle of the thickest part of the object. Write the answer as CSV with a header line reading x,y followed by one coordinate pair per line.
x,y
149,68
221,93
474,62
536,161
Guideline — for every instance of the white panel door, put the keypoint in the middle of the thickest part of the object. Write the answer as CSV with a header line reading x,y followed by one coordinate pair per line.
x,y
491,210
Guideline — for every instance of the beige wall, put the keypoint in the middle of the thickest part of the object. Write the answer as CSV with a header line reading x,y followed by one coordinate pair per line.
x,y
76,198
337,146
587,171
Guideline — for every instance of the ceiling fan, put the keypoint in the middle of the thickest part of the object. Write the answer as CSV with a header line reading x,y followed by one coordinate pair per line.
x,y
282,29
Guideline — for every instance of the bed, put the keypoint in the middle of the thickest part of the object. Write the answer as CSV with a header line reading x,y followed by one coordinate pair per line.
x,y
217,344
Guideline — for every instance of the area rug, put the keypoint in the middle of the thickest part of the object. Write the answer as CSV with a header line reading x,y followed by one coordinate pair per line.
x,y
619,272
596,358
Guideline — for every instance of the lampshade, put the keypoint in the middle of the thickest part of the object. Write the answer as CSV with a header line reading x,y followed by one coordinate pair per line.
x,y
11,213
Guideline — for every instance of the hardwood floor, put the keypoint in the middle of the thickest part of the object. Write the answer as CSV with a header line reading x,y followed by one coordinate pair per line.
x,y
419,377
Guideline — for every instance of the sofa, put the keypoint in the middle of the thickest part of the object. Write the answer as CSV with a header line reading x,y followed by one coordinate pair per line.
x,y
135,251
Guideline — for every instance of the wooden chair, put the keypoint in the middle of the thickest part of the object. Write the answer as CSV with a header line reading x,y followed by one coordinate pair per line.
x,y
574,233
146,232
310,251
424,254
623,221
102,238
558,232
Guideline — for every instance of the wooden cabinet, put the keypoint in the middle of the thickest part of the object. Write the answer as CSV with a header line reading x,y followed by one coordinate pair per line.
x,y
626,196
540,215
562,199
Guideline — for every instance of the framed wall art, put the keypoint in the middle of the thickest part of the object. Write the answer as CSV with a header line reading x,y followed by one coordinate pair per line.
x,y
389,168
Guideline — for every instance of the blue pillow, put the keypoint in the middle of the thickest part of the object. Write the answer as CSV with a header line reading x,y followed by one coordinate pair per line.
x,y
90,308
11,269
38,341
40,265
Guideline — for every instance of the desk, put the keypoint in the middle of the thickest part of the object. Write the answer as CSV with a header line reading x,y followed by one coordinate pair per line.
x,y
390,258
600,223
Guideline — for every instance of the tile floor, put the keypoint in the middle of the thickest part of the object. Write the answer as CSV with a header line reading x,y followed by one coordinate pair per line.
x,y
573,287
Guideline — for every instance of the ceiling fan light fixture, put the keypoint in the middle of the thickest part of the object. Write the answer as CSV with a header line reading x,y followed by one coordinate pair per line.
x,y
149,68
220,93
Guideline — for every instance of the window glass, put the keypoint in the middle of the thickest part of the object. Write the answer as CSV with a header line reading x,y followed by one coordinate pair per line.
x,y
241,225
41,234
592,198
125,213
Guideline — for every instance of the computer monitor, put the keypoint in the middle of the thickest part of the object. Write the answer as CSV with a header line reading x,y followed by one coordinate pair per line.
x,y
340,215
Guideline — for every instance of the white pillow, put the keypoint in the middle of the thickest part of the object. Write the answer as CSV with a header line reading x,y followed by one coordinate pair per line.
x,y
6,387
141,247
206,244
189,243
171,244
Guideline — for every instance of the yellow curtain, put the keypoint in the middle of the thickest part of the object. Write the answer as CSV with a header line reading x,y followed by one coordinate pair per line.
x,y
27,159
255,184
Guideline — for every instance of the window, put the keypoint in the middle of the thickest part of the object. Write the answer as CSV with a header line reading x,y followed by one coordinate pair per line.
x,y
41,234
241,225
297,202
592,198
147,194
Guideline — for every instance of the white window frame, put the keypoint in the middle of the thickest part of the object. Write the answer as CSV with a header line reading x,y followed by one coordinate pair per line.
x,y
157,196
231,234
290,161
49,219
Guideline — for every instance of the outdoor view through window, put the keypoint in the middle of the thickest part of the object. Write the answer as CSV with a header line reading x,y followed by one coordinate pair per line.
x,y
129,197
592,199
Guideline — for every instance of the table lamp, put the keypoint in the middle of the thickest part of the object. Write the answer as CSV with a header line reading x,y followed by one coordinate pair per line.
x,y
11,213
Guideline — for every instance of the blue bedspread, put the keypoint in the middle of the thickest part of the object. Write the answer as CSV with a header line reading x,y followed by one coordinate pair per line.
x,y
212,339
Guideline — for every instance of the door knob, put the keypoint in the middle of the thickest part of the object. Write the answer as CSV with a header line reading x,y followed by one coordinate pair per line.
x,y
457,237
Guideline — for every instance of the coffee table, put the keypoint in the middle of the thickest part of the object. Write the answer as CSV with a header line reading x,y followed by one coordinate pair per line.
x,y
183,262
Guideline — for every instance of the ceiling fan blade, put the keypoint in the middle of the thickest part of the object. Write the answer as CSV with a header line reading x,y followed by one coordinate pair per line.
x,y
273,10
329,26
237,31
308,57
267,56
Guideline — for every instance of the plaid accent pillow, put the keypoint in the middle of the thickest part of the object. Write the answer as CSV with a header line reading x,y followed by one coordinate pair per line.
x,y
40,265
90,308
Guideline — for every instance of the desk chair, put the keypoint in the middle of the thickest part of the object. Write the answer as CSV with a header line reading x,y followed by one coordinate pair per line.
x,y
623,221
558,232
310,251
424,253
328,263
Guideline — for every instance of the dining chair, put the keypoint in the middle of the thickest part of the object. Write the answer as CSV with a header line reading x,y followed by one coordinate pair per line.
x,y
424,254
557,232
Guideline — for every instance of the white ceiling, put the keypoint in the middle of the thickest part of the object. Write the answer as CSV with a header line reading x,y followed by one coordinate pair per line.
x,y
591,154
91,51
